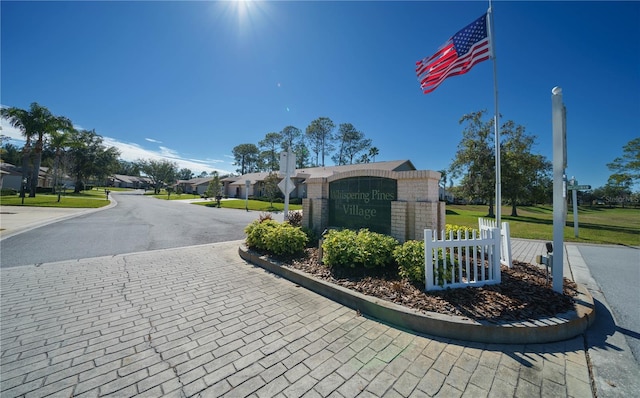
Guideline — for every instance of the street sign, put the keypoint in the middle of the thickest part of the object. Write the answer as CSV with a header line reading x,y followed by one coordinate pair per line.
x,y
287,164
284,184
578,187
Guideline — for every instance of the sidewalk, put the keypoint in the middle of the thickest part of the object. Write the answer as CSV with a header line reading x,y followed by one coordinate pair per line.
x,y
18,219
199,320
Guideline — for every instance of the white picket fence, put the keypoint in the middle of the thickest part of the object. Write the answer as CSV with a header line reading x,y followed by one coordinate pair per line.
x,y
461,261
484,224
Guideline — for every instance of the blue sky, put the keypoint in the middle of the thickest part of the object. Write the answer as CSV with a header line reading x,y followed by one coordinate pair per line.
x,y
190,80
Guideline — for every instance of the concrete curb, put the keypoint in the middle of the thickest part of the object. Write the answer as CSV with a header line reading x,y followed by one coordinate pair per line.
x,y
558,328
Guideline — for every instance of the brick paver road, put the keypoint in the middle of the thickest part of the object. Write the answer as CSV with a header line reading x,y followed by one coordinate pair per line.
x,y
199,321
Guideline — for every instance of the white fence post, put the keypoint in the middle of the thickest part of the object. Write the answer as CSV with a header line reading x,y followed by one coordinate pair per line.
x,y
468,261
505,253
485,224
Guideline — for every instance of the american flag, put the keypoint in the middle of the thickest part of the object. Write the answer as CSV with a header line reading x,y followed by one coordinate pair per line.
x,y
457,56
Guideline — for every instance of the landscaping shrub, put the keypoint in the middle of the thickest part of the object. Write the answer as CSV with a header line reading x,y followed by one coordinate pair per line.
x,y
348,248
339,248
8,192
374,249
277,238
410,259
459,230
257,232
285,239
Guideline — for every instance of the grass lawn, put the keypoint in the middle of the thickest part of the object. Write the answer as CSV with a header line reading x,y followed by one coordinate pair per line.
x,y
174,196
254,205
595,225
81,200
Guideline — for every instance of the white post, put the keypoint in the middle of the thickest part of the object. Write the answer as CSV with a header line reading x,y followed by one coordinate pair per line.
x,y
286,198
247,183
496,121
559,186
287,168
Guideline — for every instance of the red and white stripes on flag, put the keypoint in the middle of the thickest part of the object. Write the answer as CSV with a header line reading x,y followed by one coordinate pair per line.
x,y
468,47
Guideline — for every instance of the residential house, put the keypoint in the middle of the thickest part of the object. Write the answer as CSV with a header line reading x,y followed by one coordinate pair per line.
x,y
124,181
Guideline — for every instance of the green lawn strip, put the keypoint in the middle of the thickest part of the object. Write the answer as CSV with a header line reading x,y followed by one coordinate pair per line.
x,y
254,205
174,196
45,200
595,225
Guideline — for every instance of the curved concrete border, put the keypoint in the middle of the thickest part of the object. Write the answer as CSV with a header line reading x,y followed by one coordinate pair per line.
x,y
561,327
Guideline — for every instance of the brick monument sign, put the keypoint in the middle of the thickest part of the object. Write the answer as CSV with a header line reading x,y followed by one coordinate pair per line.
x,y
397,203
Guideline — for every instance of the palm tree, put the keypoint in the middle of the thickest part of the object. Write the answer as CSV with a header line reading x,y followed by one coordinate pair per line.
x,y
443,181
45,123
22,120
373,152
37,121
58,141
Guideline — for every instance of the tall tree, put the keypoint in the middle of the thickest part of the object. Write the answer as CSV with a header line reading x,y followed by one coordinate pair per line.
x,y
364,158
320,136
271,189
161,172
58,141
269,146
351,143
520,168
475,159
618,189
45,123
629,163
23,121
443,184
302,155
246,156
128,168
214,190
90,159
290,137
185,174
10,154
373,152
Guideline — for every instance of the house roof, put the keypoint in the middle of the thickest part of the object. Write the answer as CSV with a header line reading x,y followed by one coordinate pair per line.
x,y
196,181
327,171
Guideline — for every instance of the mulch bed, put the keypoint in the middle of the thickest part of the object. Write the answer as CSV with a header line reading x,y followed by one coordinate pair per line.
x,y
524,293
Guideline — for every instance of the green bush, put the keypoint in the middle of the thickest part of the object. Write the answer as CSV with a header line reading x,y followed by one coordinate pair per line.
x,y
286,239
374,249
410,259
458,230
339,248
277,238
348,248
257,232
8,192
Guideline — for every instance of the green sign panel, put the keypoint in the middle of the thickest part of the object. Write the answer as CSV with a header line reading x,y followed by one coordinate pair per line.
x,y
579,187
362,202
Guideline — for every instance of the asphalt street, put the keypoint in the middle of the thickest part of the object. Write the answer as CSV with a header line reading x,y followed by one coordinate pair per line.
x,y
137,223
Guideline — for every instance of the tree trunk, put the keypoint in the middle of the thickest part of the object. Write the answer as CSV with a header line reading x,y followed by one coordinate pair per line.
x,y
491,213
26,173
35,174
514,210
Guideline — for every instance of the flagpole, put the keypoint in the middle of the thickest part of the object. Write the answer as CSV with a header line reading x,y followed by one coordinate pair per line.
x,y
495,119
